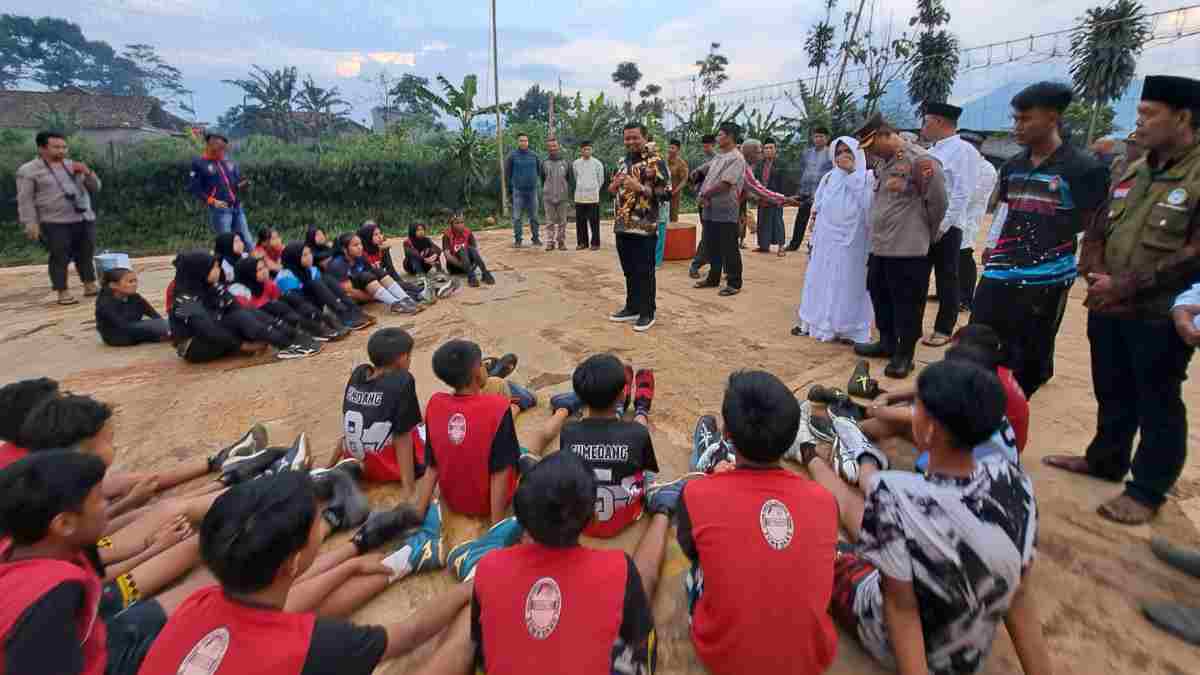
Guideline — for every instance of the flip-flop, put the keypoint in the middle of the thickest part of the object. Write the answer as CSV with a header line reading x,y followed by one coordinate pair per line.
x,y
1126,510
936,340
69,300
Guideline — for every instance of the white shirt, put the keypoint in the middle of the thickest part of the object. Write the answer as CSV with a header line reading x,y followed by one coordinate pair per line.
x,y
977,207
959,163
589,176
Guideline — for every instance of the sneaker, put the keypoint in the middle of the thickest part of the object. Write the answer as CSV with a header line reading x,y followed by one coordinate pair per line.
x,y
847,408
383,526
562,246
624,316
297,457
292,352
627,395
568,401
447,287
1182,559
347,506
873,350
805,441
595,247
1179,620
707,443
349,465
472,282
488,278
422,550
644,323
405,307
664,497
518,244
252,466
694,272
825,395
822,428
245,447
536,242
502,367
360,322
521,397
581,247
644,396
850,447
463,558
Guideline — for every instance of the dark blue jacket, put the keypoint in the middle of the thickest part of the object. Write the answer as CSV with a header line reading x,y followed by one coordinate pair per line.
x,y
207,180
524,171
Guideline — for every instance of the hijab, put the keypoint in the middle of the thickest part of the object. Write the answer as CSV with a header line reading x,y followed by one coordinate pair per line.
x,y
292,254
191,273
224,248
843,198
245,272
367,234
419,243
320,251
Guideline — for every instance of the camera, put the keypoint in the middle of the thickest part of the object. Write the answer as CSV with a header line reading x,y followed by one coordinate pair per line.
x,y
74,199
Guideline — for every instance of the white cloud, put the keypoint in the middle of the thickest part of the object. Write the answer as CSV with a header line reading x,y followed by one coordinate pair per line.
x,y
394,58
434,46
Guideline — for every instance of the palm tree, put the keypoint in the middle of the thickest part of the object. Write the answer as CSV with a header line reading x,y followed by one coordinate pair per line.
x,y
459,102
1104,50
627,75
934,56
319,103
275,93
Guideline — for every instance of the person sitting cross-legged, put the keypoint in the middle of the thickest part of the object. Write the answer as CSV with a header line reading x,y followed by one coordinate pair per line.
x,y
938,560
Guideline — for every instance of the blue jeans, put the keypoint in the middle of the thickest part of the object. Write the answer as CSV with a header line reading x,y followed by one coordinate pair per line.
x,y
525,398
663,212
225,220
525,202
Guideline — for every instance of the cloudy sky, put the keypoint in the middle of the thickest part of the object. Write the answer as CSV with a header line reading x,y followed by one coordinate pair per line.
x,y
345,43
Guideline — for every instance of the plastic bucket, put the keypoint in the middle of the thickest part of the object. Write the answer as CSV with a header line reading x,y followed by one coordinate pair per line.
x,y
681,241
110,261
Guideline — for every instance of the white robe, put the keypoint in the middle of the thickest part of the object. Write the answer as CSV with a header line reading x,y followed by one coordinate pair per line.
x,y
834,303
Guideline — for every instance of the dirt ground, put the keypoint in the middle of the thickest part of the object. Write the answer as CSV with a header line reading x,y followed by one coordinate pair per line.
x,y
550,308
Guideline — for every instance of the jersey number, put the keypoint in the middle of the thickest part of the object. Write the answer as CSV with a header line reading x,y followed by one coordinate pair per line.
x,y
610,498
361,440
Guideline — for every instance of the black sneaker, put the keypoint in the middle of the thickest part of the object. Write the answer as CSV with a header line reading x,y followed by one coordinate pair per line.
x,y
624,315
292,352
873,350
297,457
826,395
347,506
644,323
245,447
320,476
382,526
536,242
251,466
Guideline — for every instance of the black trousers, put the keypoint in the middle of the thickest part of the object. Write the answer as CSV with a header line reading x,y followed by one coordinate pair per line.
x,y
701,258
801,223
67,242
215,338
943,255
968,274
282,310
474,263
636,253
138,332
327,293
897,287
1138,369
308,311
720,242
587,220
1027,319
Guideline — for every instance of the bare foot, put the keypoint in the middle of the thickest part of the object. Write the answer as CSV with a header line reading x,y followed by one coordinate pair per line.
x,y
1074,464
1127,511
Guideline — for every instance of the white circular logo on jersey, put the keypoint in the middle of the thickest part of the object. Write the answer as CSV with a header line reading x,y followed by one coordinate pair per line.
x,y
457,428
1177,197
205,658
543,607
776,523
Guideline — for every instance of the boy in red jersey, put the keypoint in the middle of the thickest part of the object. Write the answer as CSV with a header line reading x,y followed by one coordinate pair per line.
x,y
472,452
760,517
559,605
259,538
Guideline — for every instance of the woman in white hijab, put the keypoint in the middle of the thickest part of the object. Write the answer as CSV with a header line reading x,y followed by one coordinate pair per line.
x,y
834,304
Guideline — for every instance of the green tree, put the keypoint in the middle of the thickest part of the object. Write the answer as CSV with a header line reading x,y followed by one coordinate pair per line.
x,y
1083,122
627,76
275,93
534,105
319,103
1104,50
467,150
650,104
410,109
595,120
934,56
818,45
712,69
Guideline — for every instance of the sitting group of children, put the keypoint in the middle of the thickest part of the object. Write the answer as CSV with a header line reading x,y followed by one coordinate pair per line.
x,y
929,566
292,297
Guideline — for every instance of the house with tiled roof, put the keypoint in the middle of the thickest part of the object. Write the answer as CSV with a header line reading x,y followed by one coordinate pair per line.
x,y
101,118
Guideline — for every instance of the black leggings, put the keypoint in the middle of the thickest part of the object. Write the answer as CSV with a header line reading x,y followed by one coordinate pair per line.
x,y
281,310
327,293
215,338
308,311
474,261
415,264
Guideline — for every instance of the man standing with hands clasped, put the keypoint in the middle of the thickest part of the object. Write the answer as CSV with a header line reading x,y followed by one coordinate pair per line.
x,y
216,181
589,177
1137,257
640,184
55,206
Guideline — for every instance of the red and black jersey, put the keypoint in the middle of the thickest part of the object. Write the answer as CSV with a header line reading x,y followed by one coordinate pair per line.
x,y
25,583
10,453
213,634
619,453
469,438
374,412
764,542
566,610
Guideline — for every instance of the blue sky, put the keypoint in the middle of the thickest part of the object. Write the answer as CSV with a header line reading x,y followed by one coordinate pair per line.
x,y
344,43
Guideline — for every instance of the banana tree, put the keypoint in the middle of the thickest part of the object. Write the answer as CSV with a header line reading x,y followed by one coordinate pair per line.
x,y
467,150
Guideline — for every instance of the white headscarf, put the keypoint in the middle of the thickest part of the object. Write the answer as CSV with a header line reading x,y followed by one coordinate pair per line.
x,y
842,198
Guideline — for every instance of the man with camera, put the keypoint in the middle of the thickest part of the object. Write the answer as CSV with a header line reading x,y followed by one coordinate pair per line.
x,y
54,204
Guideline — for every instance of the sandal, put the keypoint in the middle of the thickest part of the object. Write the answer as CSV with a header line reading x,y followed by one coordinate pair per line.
x,y
67,300
936,340
1126,510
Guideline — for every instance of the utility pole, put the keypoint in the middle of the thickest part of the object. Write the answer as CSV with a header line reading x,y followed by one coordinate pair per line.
x,y
499,126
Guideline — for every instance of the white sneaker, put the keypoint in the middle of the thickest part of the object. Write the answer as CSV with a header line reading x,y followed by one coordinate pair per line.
x,y
804,435
850,446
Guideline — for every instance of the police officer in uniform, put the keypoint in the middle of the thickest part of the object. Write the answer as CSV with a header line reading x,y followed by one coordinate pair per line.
x,y
1136,262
